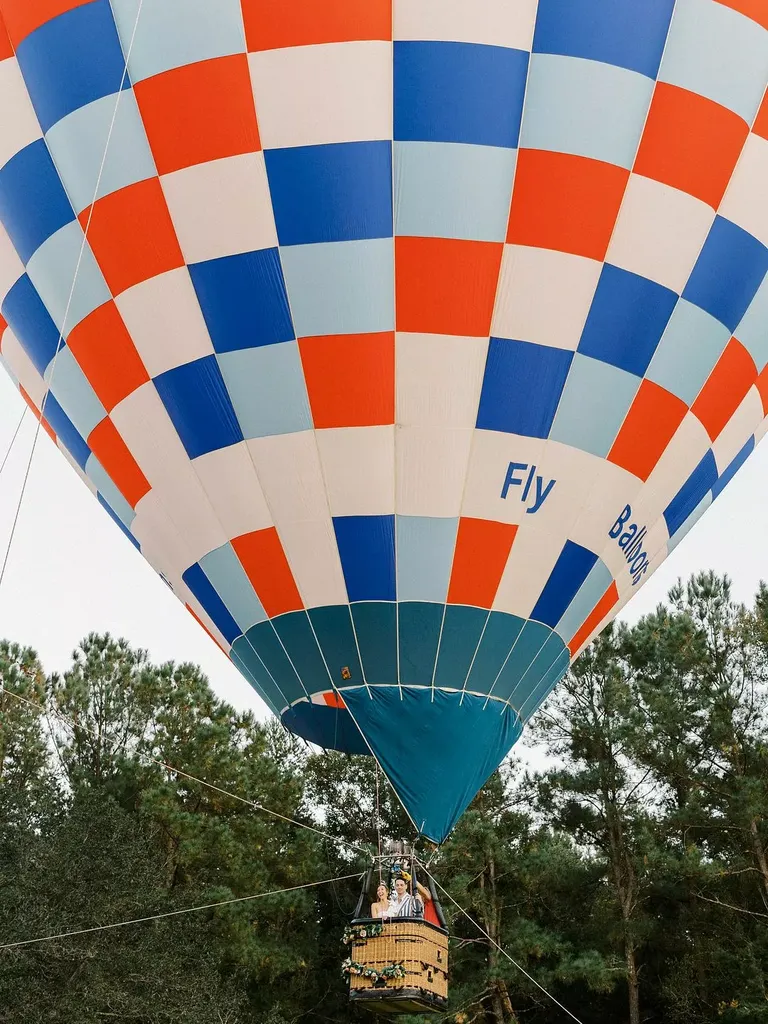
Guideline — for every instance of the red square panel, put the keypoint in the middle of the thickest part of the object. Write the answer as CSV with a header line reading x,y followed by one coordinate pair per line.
x,y
690,143
350,379
757,10
112,452
263,558
731,379
6,50
650,425
762,387
199,112
760,126
102,346
446,285
22,17
596,616
482,550
273,24
564,202
132,235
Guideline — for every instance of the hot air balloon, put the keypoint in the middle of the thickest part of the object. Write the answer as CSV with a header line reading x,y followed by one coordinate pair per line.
x,y
404,338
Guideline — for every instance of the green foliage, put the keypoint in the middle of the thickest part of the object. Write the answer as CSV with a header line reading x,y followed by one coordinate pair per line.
x,y
628,876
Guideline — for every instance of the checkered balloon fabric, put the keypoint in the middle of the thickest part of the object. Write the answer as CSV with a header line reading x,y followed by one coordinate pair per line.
x,y
404,338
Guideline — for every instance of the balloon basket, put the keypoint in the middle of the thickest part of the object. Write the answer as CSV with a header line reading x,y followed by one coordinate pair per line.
x,y
419,949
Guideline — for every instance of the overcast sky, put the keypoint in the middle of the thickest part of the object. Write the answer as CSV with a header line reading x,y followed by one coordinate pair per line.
x,y
71,570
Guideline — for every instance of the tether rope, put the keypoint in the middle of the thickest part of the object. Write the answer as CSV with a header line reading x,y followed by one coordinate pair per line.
x,y
193,778
170,913
503,951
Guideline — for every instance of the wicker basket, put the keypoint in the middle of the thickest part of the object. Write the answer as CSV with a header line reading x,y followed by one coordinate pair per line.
x,y
422,949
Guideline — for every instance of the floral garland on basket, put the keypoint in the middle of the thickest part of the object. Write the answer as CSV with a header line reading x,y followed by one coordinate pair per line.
x,y
390,973
361,931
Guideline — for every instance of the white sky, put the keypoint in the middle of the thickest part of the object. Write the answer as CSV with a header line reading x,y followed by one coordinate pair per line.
x,y
71,571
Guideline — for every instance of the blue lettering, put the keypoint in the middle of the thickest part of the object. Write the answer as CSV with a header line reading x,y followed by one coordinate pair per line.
x,y
511,479
541,495
615,530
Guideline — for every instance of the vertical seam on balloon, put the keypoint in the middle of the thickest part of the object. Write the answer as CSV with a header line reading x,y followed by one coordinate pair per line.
x,y
473,438
658,516
540,700
393,4
509,655
373,755
547,440
474,656
317,450
59,344
535,658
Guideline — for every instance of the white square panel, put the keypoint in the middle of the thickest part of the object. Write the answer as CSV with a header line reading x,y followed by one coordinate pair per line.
x,y
230,481
438,379
18,124
544,296
22,367
291,477
492,22
738,430
431,470
221,208
530,563
143,423
679,459
314,95
165,321
659,232
11,267
313,557
359,469
746,199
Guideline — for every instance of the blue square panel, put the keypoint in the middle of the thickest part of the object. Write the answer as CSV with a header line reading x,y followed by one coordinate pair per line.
x,y
367,551
585,108
206,594
199,406
335,193
728,272
72,60
626,320
31,323
341,287
595,401
243,299
571,569
65,430
701,480
449,190
33,203
628,33
522,387
267,389
459,92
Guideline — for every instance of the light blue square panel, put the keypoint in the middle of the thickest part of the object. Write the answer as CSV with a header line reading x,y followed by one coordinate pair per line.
x,y
56,266
72,390
77,144
225,571
688,351
752,331
716,52
267,389
595,400
340,287
451,190
172,33
586,108
587,596
425,547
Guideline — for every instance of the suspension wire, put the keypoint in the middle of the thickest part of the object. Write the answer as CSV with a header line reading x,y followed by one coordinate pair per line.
x,y
78,266
193,778
171,913
503,951
9,449
378,822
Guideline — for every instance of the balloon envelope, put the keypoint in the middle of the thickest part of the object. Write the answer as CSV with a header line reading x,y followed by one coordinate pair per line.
x,y
404,338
